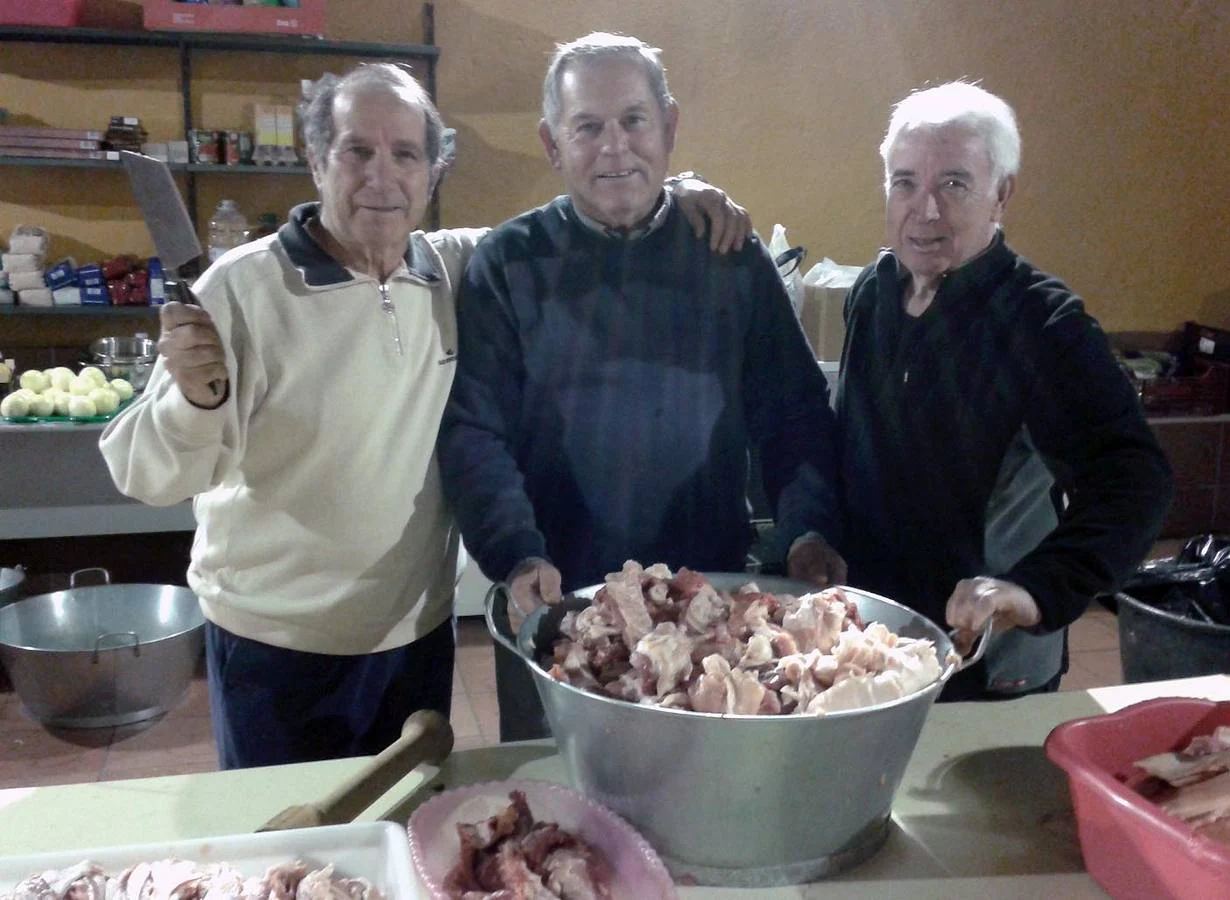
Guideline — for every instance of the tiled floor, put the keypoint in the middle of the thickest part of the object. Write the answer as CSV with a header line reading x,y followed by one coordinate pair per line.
x,y
180,742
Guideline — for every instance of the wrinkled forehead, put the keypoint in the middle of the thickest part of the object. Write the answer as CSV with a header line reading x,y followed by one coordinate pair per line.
x,y
379,103
602,84
952,145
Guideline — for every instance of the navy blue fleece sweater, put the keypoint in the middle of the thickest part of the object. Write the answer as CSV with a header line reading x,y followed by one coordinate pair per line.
x,y
607,392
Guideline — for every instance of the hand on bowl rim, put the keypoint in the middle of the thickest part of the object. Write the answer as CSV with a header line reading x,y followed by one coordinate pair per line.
x,y
532,583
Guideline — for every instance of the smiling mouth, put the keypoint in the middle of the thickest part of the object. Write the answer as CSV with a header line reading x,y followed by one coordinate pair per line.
x,y
616,176
381,209
926,244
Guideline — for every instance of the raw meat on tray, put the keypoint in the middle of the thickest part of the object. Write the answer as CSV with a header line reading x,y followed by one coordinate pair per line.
x,y
177,879
511,857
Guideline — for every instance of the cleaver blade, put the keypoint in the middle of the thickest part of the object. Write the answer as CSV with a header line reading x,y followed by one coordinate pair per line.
x,y
163,208
168,222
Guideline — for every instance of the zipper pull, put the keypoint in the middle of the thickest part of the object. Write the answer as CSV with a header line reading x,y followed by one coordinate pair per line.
x,y
905,378
390,313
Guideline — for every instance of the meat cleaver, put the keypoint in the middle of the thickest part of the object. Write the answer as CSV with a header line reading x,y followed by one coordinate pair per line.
x,y
168,222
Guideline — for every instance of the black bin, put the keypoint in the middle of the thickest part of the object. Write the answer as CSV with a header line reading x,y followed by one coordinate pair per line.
x,y
1155,644
1174,614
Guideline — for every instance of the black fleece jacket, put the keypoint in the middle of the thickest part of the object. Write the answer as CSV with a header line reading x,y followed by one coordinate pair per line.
x,y
928,410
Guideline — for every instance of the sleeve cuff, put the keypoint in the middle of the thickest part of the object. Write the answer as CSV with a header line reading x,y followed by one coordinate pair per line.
x,y
504,555
194,425
1052,615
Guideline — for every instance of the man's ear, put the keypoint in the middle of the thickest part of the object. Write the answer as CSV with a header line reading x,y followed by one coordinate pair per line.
x,y
318,170
549,144
671,124
1007,185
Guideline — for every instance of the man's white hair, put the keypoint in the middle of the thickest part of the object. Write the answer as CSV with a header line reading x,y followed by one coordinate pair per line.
x,y
965,105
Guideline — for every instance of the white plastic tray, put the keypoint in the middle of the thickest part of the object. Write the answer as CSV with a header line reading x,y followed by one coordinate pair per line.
x,y
377,851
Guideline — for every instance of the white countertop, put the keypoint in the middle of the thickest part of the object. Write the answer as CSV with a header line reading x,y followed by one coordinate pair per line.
x,y
980,813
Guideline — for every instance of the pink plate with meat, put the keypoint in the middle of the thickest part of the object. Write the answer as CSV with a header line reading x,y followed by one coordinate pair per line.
x,y
636,872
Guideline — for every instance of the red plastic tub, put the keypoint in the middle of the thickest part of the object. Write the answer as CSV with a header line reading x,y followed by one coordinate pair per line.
x,y
1131,847
57,13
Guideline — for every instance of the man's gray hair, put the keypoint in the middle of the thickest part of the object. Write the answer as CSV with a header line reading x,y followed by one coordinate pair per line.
x,y
598,46
316,111
965,105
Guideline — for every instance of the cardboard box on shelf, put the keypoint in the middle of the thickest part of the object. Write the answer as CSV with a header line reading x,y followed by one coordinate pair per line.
x,y
822,320
265,124
286,131
308,18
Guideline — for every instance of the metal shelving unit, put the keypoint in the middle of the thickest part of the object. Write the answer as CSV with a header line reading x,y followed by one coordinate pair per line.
x,y
274,43
188,44
130,311
210,168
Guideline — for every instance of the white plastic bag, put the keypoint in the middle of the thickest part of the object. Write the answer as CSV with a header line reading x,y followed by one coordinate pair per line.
x,y
789,262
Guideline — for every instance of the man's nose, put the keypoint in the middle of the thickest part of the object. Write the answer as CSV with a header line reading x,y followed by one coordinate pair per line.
x,y
379,168
930,207
614,138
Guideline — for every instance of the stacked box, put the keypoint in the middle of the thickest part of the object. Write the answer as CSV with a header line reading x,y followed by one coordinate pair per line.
x,y
23,266
93,286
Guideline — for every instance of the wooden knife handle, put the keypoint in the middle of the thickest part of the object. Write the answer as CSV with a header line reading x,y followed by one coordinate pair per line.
x,y
426,737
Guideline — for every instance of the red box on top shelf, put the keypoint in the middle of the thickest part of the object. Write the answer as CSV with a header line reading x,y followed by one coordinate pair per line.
x,y
167,15
54,13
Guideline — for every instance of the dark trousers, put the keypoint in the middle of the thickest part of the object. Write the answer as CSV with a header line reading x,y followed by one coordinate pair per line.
x,y
521,714
272,706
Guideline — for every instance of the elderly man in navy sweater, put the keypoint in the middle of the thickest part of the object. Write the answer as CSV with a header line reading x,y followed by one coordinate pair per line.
x,y
614,369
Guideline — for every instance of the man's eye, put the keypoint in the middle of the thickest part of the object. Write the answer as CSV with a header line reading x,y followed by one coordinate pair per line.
x,y
407,155
633,121
363,153
901,184
955,184
589,129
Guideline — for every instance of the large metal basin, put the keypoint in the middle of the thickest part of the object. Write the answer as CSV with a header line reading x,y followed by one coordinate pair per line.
x,y
740,800
12,585
92,657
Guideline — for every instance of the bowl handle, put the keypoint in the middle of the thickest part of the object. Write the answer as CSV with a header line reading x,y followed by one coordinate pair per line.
x,y
980,647
136,642
72,579
489,612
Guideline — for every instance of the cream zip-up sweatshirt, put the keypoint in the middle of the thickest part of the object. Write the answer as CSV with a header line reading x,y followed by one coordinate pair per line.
x,y
321,524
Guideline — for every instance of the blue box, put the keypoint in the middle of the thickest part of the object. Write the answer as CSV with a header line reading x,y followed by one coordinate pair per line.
x,y
95,295
90,276
157,282
62,274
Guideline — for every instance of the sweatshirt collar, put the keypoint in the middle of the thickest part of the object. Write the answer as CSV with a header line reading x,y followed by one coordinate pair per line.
x,y
319,269
646,226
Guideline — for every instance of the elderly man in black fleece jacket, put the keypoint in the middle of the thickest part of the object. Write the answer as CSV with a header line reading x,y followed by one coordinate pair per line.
x,y
614,369
995,462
